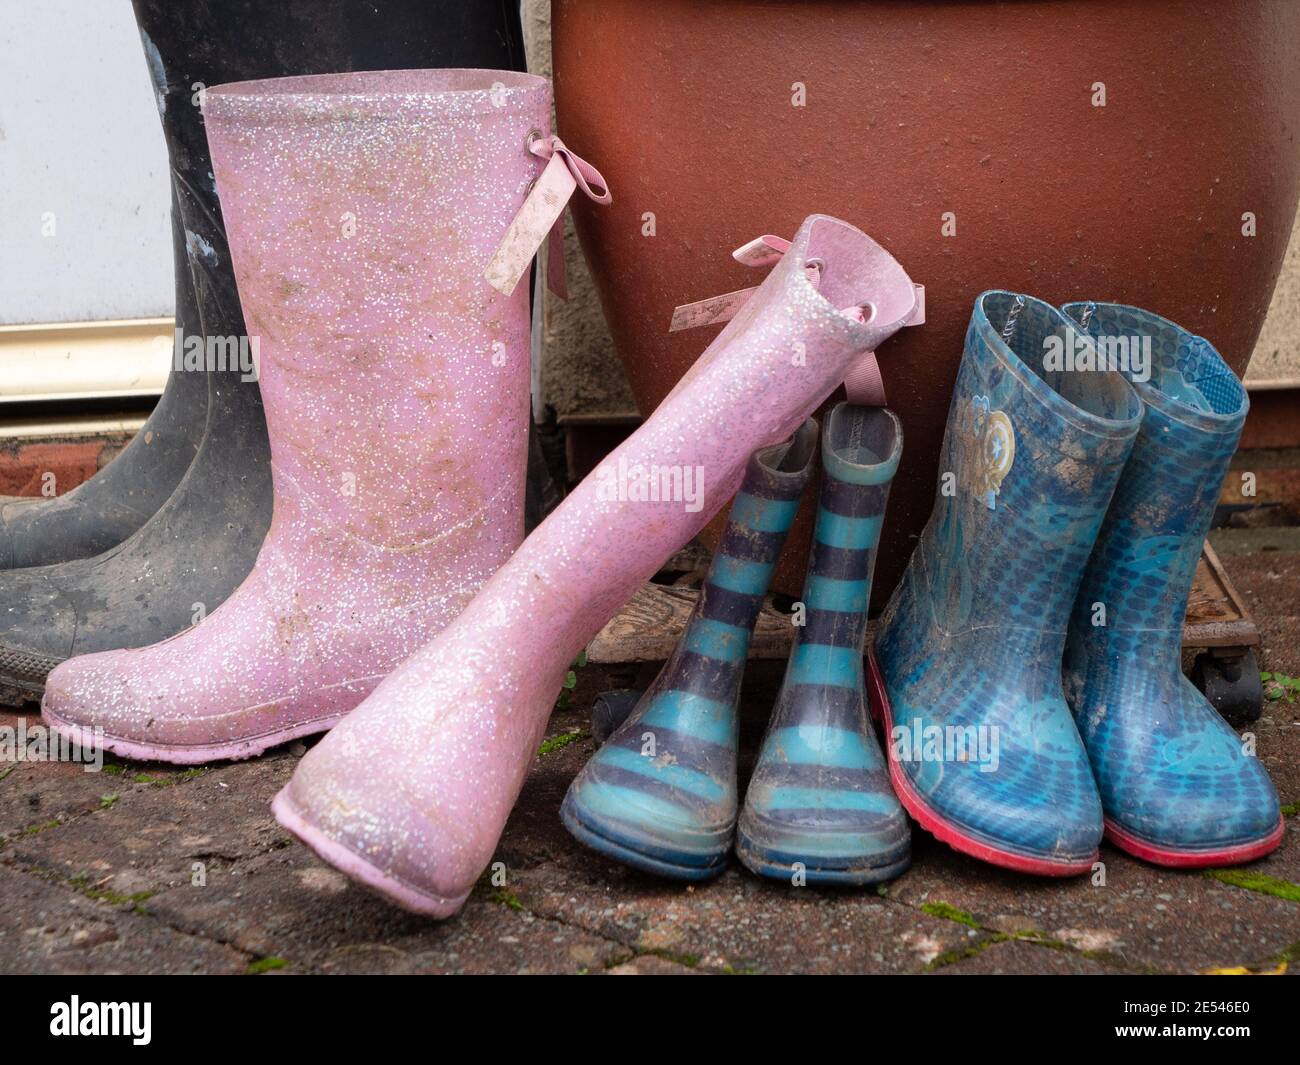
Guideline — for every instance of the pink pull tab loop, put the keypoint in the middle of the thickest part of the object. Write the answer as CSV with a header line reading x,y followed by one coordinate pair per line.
x,y
584,174
863,385
762,251
542,216
766,250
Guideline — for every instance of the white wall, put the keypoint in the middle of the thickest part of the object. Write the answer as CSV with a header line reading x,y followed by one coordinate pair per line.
x,y
80,139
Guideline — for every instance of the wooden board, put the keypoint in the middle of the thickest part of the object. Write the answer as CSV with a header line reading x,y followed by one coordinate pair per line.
x,y
1216,614
649,625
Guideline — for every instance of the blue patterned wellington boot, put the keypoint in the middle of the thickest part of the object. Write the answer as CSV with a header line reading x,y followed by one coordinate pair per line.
x,y
819,803
966,673
1176,785
660,794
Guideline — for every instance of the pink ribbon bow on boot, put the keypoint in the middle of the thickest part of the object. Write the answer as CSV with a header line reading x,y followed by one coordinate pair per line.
x,y
542,215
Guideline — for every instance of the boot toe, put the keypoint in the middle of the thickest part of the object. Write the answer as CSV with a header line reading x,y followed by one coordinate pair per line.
x,y
37,628
1055,825
1224,813
120,699
1204,830
1041,818
657,826
379,872
381,829
1177,785
91,693
861,838
1031,803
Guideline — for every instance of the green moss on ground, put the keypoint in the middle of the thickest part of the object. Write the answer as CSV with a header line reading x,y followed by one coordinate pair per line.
x,y
554,743
1265,885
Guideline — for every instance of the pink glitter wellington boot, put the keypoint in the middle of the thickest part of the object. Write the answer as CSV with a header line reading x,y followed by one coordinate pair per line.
x,y
409,794
362,210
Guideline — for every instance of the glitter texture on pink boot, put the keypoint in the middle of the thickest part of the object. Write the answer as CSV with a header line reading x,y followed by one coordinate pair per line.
x,y
363,209
409,794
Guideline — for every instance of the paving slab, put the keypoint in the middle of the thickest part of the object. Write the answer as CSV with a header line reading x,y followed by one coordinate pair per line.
x,y
44,928
157,835
1018,957
289,906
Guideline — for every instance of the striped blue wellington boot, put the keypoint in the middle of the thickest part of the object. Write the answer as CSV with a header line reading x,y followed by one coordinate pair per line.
x,y
967,666
819,803
1176,785
660,794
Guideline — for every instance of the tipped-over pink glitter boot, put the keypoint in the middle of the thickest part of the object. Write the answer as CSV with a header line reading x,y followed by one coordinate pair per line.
x,y
363,210
409,795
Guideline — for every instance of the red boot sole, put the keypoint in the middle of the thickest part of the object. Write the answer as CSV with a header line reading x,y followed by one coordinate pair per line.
x,y
943,830
1184,859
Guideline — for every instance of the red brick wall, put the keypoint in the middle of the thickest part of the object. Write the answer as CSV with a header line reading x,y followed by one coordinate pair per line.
x,y
23,466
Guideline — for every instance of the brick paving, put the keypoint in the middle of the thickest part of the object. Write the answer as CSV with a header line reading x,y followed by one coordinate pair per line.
x,y
146,868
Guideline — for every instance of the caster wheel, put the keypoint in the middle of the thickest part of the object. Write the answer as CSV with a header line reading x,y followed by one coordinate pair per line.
x,y
610,710
1232,685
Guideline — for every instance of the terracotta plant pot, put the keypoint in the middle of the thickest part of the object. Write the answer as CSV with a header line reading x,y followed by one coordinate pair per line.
x,y
970,138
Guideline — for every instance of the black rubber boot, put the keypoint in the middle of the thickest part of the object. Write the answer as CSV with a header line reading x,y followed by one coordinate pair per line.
x,y
199,545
